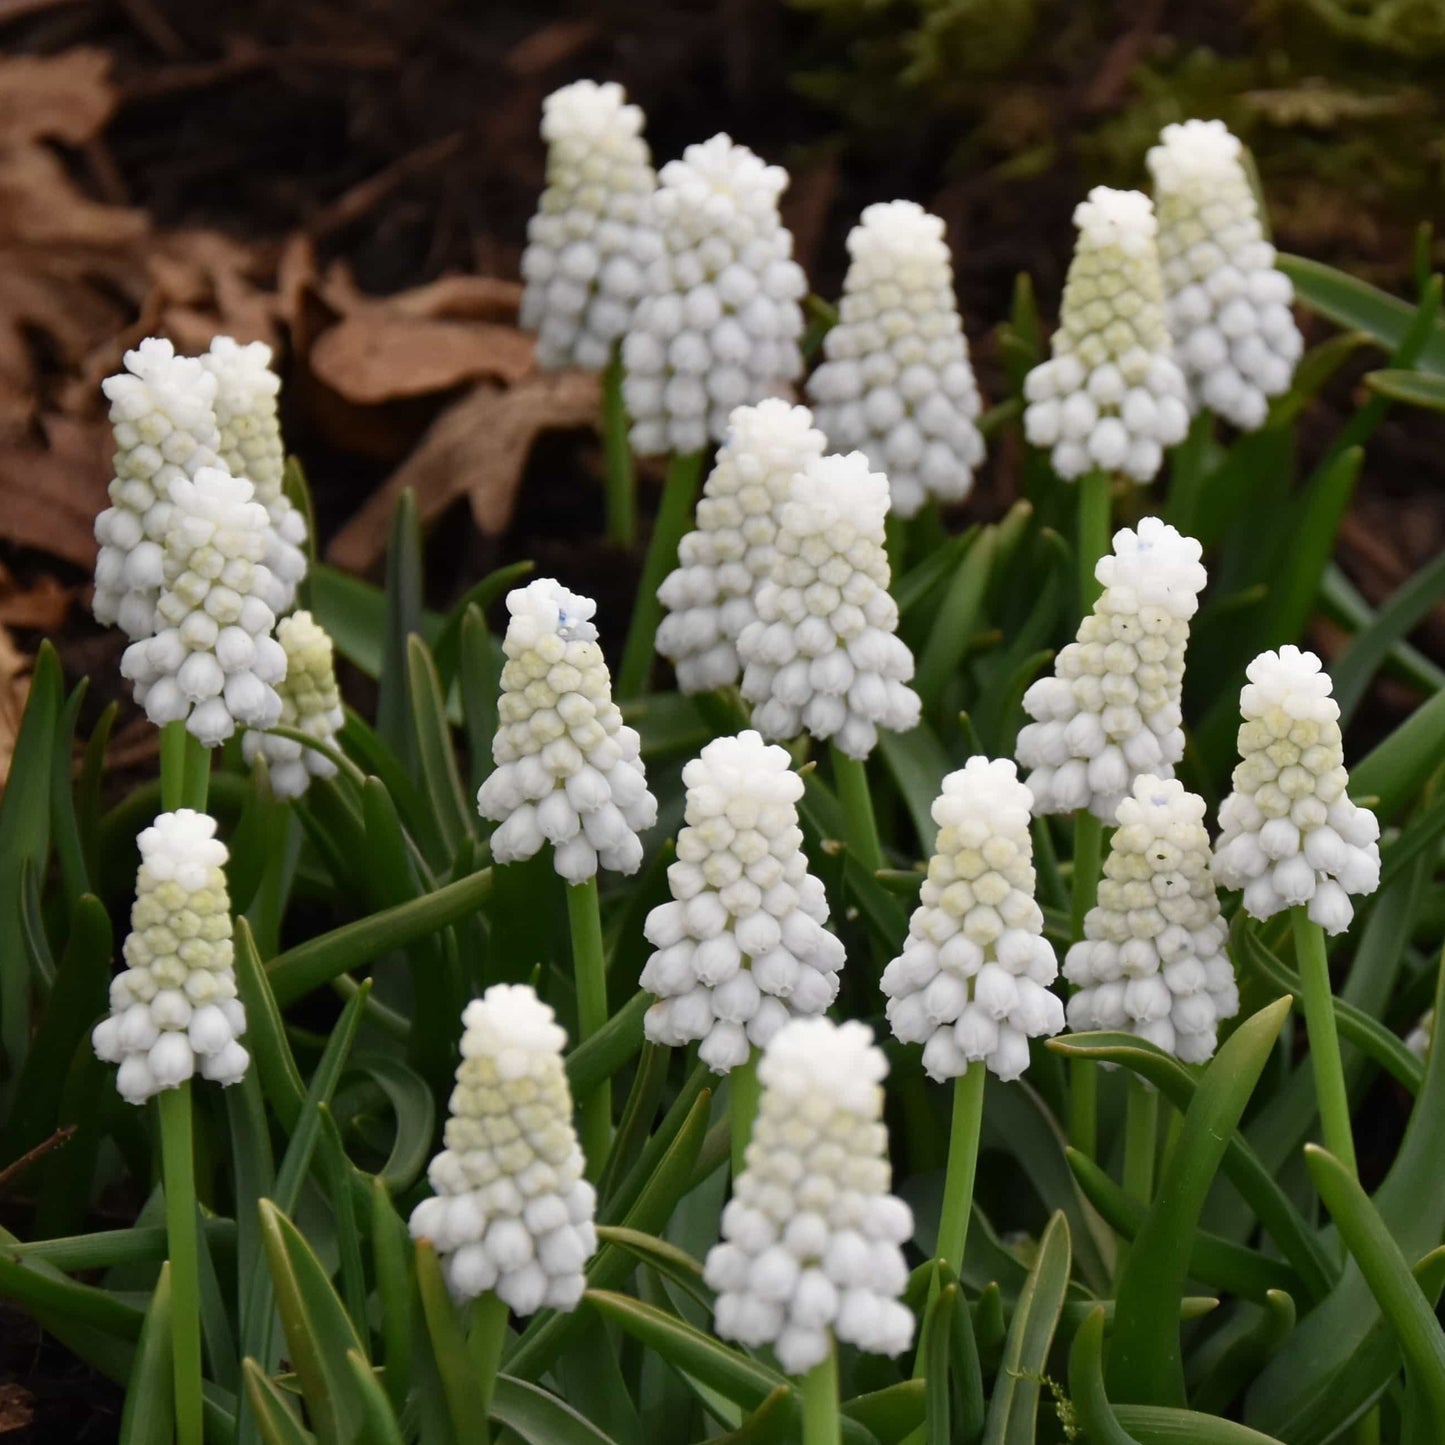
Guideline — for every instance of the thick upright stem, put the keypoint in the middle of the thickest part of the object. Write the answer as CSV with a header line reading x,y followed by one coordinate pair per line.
x,y
821,1422
485,1339
185,769
1083,1073
962,1165
621,475
861,827
1093,538
589,964
178,1178
742,1109
1141,1135
1334,1102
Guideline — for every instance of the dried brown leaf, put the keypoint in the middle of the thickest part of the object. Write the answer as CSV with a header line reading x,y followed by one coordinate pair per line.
x,y
54,488
66,97
14,689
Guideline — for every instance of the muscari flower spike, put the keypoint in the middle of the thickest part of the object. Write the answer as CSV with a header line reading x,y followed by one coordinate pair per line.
x,y
812,1238
590,241
1111,711
310,703
1152,960
173,1009
719,321
1111,396
742,946
972,982
512,1212
896,382
1227,302
709,595
1289,834
824,654
568,770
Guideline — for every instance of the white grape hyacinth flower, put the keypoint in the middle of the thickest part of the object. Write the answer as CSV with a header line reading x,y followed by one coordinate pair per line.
x,y
896,381
310,703
1111,396
1111,711
812,1239
972,982
251,446
1289,834
720,318
1152,961
823,653
723,561
173,1008
1228,303
743,945
568,770
213,661
512,1213
589,243
162,414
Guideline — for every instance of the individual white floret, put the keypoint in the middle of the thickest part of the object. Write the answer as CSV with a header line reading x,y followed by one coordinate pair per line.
x,y
590,243
162,414
212,661
742,947
972,982
1228,304
812,1240
1152,960
173,1008
310,703
511,1211
823,653
568,770
1290,835
721,564
251,447
1111,711
896,381
1420,1038
719,320
1112,395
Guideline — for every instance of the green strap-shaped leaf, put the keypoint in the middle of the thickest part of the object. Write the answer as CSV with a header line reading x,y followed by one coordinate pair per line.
x,y
150,1394
540,1418
414,1106
461,1385
952,628
889,1415
1241,1362
1416,388
937,1348
403,594
1086,1385
456,816
613,1046
481,595
1396,770
391,1262
667,1259
1163,1425
378,1423
273,1412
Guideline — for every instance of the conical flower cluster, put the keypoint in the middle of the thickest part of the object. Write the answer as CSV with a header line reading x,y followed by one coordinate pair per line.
x,y
1152,960
742,947
162,413
972,982
568,770
824,653
1289,833
896,381
1228,304
719,321
310,703
1112,395
1111,711
588,245
512,1212
213,661
709,595
812,1238
173,1009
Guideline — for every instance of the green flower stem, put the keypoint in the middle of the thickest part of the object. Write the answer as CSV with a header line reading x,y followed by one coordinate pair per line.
x,y
185,770
1186,473
673,516
178,1175
589,962
1083,1073
621,475
821,1422
968,1091
895,541
1093,539
742,1108
1141,1134
859,823
1334,1103
487,1335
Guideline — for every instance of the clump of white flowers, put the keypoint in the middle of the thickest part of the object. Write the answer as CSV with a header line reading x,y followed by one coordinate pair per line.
x,y
1111,711
812,1238
1111,396
742,947
512,1212
173,1009
1289,833
568,770
1152,960
310,703
720,319
589,243
162,414
823,653
213,661
709,595
1228,304
972,982
896,381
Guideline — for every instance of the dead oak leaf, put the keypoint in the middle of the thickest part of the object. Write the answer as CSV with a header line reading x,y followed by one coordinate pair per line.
x,y
53,489
14,689
67,97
